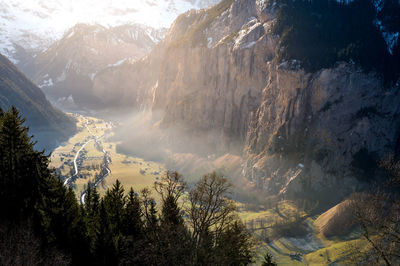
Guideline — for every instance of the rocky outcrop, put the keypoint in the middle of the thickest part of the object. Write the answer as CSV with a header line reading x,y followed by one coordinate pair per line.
x,y
216,77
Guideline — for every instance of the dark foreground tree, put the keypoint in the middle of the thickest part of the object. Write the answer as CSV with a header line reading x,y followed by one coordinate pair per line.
x,y
20,167
214,225
32,198
268,260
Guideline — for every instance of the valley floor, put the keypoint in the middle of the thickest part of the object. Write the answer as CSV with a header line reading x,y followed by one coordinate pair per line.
x,y
90,155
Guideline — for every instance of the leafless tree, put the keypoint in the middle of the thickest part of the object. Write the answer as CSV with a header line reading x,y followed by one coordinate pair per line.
x,y
171,185
377,212
210,210
147,202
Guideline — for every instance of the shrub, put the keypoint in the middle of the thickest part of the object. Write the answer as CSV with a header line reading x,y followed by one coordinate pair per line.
x,y
292,227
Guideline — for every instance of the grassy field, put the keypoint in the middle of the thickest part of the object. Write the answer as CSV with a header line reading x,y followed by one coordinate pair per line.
x,y
130,171
314,247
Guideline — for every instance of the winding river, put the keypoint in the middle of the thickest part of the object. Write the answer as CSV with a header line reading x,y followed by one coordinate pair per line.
x,y
104,166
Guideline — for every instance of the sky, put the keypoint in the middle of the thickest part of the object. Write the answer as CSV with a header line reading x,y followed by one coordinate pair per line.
x,y
37,23
62,14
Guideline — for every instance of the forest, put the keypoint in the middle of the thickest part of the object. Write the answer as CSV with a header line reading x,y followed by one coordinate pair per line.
x,y
42,222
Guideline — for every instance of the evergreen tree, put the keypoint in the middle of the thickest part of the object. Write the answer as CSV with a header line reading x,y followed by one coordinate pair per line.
x,y
174,238
92,216
31,193
133,225
132,230
268,260
234,246
205,252
58,218
20,167
111,224
114,202
150,254
105,249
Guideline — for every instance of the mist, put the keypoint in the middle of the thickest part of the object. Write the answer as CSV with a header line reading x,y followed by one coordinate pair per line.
x,y
191,153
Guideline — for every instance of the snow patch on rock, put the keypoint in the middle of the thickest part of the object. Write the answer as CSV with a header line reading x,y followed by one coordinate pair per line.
x,y
242,40
118,63
62,77
46,83
209,42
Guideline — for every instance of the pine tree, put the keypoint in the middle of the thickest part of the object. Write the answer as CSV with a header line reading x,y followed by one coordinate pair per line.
x,y
114,202
149,254
58,217
205,251
105,248
268,260
111,220
174,238
20,167
133,230
133,225
234,246
92,216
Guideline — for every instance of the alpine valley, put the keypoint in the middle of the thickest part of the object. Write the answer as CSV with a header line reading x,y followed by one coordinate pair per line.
x,y
268,132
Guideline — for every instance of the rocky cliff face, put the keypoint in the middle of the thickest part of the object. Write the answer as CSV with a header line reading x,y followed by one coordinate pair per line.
x,y
206,77
320,132
216,77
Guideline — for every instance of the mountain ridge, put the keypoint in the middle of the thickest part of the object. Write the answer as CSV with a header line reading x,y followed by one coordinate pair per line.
x,y
49,125
34,26
66,70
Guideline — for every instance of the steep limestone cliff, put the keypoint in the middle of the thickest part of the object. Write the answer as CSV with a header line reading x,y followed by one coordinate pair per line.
x,y
321,132
216,77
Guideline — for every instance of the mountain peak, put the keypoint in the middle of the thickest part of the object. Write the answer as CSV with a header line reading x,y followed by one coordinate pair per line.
x,y
34,25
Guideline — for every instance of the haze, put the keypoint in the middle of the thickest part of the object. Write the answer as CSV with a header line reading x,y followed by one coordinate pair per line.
x,y
60,15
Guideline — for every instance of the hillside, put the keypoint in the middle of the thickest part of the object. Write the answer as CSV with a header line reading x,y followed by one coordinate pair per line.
x,y
49,125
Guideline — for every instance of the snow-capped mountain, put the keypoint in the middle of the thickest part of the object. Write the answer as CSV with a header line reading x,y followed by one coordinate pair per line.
x,y
66,70
31,26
